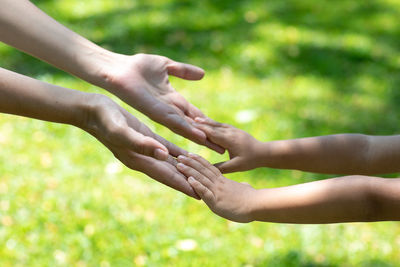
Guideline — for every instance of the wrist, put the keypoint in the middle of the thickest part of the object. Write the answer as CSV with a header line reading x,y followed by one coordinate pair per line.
x,y
271,154
260,153
253,205
86,111
105,69
96,65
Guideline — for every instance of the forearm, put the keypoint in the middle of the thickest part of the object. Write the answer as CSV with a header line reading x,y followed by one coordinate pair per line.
x,y
344,199
27,28
23,96
337,154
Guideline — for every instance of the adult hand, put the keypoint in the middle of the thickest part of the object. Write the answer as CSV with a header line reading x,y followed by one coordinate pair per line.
x,y
133,143
142,81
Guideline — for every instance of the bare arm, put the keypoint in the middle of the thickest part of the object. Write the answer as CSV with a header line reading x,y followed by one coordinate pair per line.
x,y
343,199
23,96
126,137
27,28
336,154
339,154
140,80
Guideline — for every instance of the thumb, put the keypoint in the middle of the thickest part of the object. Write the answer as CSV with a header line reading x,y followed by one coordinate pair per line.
x,y
233,165
146,145
185,71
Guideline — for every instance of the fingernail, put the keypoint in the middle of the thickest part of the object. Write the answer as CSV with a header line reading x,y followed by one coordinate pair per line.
x,y
198,119
160,154
180,165
181,158
191,154
191,179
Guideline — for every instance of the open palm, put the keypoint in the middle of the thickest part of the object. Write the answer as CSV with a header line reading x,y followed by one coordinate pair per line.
x,y
142,81
134,144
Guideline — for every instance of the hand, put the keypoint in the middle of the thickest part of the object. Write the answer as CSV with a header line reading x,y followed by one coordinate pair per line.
x,y
242,147
142,81
226,198
134,144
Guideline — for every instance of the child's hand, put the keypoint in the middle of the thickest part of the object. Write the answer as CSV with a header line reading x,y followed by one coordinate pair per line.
x,y
243,148
227,198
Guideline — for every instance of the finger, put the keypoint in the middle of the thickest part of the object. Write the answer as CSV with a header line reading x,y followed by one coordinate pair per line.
x,y
179,125
143,131
229,166
185,71
215,147
208,121
201,190
144,145
162,172
191,113
204,170
214,134
205,163
195,112
189,171
171,160
173,149
168,116
180,102
187,108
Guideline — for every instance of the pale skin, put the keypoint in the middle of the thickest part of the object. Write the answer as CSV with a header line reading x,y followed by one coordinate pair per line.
x,y
140,80
344,199
132,142
354,198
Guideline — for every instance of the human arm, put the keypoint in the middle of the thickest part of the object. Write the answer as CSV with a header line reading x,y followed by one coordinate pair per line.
x,y
336,154
140,80
344,199
126,137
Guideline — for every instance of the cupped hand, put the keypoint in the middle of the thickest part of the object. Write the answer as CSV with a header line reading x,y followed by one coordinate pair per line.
x,y
226,198
134,144
142,82
242,147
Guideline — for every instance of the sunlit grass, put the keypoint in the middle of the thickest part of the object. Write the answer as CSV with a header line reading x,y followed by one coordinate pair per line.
x,y
277,69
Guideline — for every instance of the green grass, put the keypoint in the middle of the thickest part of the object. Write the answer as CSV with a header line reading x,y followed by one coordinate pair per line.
x,y
296,68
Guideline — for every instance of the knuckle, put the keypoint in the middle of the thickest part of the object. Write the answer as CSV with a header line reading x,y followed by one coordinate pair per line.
x,y
211,131
195,156
139,146
143,145
116,129
224,125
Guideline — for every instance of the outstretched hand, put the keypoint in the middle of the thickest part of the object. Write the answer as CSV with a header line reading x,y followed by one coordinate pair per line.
x,y
142,81
134,144
226,198
242,147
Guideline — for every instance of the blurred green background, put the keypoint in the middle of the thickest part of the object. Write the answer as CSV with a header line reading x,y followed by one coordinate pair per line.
x,y
277,69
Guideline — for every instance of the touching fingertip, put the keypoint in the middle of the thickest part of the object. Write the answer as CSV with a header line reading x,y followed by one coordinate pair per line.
x,y
160,154
199,119
199,133
181,158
